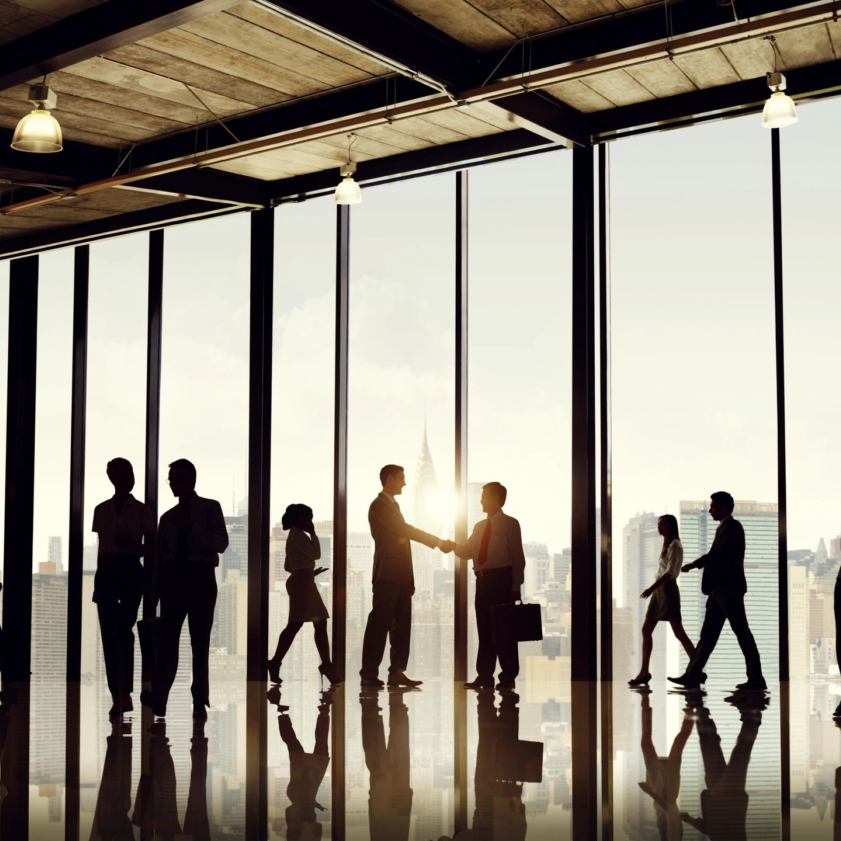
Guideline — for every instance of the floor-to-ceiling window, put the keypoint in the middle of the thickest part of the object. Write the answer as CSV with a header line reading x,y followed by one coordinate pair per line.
x,y
694,412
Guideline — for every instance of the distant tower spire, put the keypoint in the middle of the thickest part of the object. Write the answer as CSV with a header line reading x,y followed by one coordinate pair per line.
x,y
426,486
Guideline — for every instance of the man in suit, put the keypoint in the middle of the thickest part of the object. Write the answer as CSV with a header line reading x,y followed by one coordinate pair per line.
x,y
190,538
725,587
394,583
496,547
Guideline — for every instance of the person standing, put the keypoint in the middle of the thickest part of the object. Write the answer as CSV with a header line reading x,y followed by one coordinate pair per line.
x,y
393,583
190,538
126,530
725,586
665,598
305,602
496,548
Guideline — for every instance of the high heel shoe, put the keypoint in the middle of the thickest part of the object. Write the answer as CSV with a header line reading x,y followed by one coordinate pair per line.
x,y
326,671
640,681
274,671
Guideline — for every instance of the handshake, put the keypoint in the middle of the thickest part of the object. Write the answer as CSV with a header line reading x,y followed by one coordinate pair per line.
x,y
447,546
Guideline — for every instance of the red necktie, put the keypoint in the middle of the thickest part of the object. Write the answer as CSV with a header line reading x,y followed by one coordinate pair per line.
x,y
483,546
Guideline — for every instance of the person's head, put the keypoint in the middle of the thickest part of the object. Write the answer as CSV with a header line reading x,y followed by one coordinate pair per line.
x,y
297,515
393,479
721,505
121,474
182,477
667,526
493,498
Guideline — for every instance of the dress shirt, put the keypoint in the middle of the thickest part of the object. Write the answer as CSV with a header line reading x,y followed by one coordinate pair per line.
x,y
205,540
301,551
126,529
505,547
672,561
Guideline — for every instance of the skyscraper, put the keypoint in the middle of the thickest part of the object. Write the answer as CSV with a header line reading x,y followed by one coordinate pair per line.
x,y
760,521
54,554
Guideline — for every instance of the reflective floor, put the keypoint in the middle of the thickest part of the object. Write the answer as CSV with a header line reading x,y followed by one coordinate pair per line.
x,y
429,764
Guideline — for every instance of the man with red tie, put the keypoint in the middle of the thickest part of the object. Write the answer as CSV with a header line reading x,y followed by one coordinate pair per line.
x,y
496,547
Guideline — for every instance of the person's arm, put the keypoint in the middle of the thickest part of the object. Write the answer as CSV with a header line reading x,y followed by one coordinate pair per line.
x,y
518,557
215,535
674,556
385,517
467,551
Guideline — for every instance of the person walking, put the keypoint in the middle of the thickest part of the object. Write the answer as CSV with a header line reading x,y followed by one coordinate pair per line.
x,y
665,598
393,583
190,538
496,548
725,586
126,530
305,602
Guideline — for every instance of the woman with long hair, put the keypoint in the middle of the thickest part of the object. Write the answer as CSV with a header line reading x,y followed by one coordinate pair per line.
x,y
305,603
665,602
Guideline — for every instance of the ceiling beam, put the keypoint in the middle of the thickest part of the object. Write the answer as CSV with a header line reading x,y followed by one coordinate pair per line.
x,y
544,115
209,185
384,28
94,31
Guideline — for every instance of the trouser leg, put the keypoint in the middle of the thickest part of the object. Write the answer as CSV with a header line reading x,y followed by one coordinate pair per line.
x,y
380,620
735,609
400,634
130,593
507,649
173,613
710,632
200,618
486,650
107,608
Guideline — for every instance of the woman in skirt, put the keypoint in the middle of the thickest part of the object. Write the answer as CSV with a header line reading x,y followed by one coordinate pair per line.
x,y
305,603
665,597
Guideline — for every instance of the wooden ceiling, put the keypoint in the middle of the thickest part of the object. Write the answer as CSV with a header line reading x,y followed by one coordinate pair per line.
x,y
243,103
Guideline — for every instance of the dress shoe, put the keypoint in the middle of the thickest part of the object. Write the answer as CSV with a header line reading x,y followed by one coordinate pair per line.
x,y
686,681
116,711
199,712
642,680
149,699
479,684
505,687
837,713
402,680
371,683
752,685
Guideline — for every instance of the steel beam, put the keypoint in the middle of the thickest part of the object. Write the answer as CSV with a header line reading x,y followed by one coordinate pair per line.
x,y
546,116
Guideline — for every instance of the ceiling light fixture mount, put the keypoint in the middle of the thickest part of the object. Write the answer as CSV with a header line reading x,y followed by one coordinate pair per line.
x,y
39,131
779,110
348,191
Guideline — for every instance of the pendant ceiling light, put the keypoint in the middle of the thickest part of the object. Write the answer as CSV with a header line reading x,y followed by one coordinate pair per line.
x,y
348,191
39,130
779,110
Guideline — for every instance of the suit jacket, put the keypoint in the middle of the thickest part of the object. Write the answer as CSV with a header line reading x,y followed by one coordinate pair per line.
x,y
392,546
724,564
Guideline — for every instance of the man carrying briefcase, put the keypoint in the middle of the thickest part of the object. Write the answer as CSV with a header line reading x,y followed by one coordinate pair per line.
x,y
496,548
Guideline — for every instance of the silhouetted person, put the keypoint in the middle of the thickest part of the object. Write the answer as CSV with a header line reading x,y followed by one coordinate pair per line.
x,y
662,774
190,538
196,822
394,583
724,804
155,806
725,587
306,773
126,530
111,820
665,597
305,602
836,827
390,793
837,605
496,547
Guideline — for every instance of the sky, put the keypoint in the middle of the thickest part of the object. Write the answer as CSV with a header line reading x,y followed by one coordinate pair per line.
x,y
692,341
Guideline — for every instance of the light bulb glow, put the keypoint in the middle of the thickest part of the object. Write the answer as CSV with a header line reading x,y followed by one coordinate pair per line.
x,y
38,132
779,111
348,191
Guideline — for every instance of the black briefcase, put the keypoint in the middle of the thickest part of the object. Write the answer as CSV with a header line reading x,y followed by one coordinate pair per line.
x,y
517,622
522,764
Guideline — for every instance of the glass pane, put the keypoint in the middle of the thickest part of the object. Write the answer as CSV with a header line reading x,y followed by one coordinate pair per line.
x,y
204,411
50,539
4,372
694,412
519,430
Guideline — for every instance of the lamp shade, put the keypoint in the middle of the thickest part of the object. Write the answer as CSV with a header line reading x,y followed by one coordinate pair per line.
x,y
348,191
779,111
38,132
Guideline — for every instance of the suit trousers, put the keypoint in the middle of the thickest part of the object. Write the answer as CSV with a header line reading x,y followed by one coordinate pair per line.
x,y
118,589
390,616
188,591
721,606
493,587
837,616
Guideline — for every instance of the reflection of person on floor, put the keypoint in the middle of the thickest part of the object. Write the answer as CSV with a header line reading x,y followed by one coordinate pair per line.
x,y
111,821
155,807
390,794
306,773
724,804
196,823
662,774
